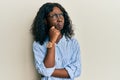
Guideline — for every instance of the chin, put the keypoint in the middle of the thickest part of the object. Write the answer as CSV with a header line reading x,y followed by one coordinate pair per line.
x,y
60,28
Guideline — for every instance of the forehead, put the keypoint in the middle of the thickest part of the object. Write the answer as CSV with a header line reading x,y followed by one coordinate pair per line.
x,y
55,10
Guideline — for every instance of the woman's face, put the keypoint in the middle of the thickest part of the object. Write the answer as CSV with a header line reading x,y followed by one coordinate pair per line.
x,y
56,18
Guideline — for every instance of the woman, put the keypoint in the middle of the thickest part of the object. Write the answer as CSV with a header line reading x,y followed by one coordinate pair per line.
x,y
56,52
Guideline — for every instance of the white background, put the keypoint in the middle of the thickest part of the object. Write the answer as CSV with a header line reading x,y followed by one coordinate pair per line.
x,y
97,28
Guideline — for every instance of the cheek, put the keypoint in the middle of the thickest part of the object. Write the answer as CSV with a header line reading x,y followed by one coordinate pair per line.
x,y
52,23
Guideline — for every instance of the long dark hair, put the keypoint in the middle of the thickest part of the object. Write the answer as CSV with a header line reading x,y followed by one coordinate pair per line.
x,y
40,28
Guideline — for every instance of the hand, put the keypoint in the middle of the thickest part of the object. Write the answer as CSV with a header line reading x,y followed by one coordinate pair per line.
x,y
53,34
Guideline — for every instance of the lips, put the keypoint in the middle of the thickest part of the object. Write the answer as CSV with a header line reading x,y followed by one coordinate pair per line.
x,y
59,26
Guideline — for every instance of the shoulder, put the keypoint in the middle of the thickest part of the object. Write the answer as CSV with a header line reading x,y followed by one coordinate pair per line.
x,y
35,44
73,40
38,45
74,43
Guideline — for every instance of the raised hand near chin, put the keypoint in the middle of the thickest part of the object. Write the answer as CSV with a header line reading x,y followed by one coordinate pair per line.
x,y
53,34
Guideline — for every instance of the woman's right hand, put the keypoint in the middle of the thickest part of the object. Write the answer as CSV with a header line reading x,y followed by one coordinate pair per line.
x,y
53,34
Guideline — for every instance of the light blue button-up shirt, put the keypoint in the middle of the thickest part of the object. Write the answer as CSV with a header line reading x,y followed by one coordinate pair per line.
x,y
67,55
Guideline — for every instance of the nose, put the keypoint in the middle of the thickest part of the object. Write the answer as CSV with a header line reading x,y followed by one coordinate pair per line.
x,y
59,19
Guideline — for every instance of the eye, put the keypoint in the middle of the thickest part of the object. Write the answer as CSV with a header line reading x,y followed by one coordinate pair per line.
x,y
55,16
60,15
52,16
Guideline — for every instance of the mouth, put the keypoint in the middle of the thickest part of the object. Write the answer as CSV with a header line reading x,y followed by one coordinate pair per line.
x,y
59,26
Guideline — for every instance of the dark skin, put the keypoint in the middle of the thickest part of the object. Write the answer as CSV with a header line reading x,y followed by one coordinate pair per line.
x,y
55,35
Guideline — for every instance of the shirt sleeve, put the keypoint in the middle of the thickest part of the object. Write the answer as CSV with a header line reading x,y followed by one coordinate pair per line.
x,y
74,67
39,54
